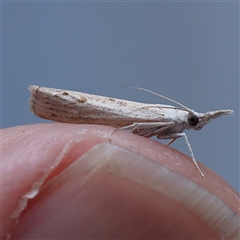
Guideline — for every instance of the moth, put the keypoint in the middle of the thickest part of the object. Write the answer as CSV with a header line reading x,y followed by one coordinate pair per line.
x,y
147,120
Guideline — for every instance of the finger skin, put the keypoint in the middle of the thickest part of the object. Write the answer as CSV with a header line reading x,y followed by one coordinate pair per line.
x,y
35,156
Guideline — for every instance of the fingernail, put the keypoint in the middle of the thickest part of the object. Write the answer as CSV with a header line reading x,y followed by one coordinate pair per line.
x,y
110,192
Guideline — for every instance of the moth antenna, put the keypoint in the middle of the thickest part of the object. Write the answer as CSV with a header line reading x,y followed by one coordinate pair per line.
x,y
169,99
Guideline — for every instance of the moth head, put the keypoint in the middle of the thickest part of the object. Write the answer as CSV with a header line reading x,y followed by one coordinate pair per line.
x,y
197,120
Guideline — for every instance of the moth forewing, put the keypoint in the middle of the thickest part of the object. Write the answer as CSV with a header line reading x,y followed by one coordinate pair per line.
x,y
148,120
75,107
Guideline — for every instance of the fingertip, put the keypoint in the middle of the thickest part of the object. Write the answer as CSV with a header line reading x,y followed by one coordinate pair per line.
x,y
36,147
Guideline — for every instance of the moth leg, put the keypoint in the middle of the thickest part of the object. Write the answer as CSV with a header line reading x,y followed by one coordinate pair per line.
x,y
148,129
151,132
144,125
171,141
174,136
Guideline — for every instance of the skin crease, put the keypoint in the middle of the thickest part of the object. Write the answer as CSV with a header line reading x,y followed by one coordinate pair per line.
x,y
29,151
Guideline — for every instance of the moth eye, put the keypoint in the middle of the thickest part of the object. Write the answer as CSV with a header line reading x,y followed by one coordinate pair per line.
x,y
193,120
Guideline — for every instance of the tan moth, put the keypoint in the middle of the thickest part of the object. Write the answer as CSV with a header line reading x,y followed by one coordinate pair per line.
x,y
148,120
